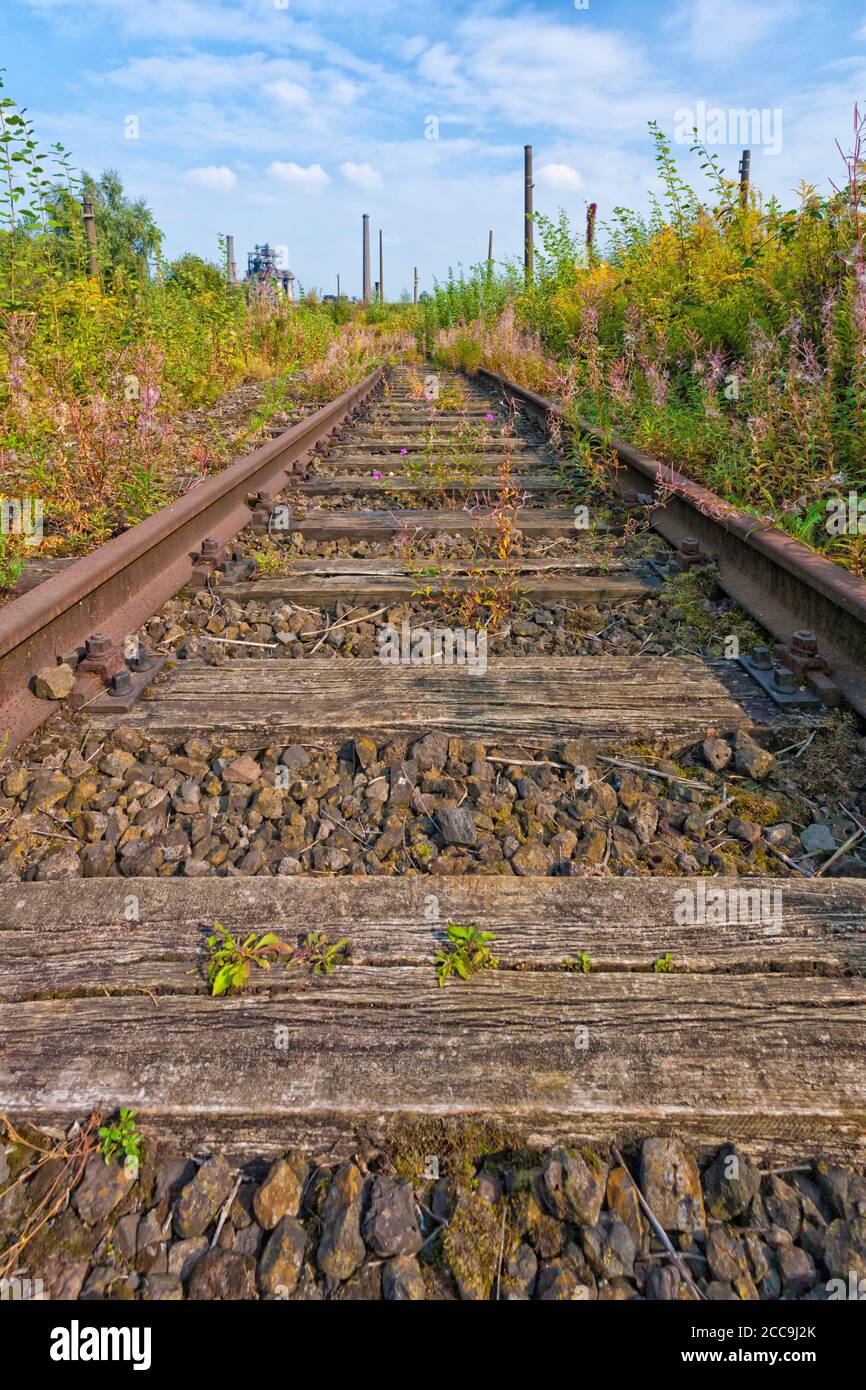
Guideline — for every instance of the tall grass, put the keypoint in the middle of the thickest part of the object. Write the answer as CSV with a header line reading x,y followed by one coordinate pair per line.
x,y
727,339
92,369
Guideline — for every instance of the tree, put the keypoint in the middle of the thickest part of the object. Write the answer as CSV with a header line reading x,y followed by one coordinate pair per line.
x,y
127,237
194,275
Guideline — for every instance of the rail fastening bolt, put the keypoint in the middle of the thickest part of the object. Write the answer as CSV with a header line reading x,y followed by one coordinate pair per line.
x,y
784,679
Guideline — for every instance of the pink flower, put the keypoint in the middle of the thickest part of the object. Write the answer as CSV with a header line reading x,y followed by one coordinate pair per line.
x,y
489,416
404,452
377,475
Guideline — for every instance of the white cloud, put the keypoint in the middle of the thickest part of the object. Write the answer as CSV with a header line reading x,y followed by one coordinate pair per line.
x,y
217,177
533,72
202,74
312,177
412,48
563,176
342,92
288,93
224,87
362,175
439,65
708,37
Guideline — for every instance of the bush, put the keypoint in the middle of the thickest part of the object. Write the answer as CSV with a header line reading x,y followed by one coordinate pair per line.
x,y
729,340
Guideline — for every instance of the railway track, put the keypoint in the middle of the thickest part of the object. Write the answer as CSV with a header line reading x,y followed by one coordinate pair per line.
x,y
302,763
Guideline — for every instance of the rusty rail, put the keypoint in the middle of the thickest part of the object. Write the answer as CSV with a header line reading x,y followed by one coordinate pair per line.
x,y
781,582
125,581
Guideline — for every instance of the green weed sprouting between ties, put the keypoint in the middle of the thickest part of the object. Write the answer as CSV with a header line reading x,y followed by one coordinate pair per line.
x,y
231,959
467,953
122,1136
319,955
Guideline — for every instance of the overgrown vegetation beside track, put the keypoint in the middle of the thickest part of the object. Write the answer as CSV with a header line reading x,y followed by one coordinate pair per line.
x,y
94,367
726,338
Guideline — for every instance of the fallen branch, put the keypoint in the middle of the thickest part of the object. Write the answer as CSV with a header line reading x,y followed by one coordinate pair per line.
x,y
236,641
804,873
225,1211
843,849
346,622
653,772
659,1230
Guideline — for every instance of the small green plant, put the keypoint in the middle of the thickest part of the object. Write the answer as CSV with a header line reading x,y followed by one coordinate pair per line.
x,y
269,561
664,965
11,566
230,959
319,955
122,1135
467,953
578,965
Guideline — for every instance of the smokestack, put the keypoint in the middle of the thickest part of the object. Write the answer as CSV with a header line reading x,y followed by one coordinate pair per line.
x,y
381,271
366,293
591,213
528,247
90,232
231,263
745,172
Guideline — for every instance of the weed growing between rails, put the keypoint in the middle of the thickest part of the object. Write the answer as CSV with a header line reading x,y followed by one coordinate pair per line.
x,y
505,347
493,580
439,470
353,355
726,339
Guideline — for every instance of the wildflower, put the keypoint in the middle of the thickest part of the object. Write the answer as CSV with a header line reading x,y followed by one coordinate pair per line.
x,y
490,416
377,475
403,453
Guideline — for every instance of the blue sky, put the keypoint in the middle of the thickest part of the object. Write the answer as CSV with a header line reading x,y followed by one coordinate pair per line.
x,y
286,120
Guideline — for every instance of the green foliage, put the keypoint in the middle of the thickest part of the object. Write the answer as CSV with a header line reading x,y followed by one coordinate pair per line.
x,y
195,276
664,965
578,965
122,1136
467,953
479,295
127,237
230,960
93,368
318,955
11,564
727,337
